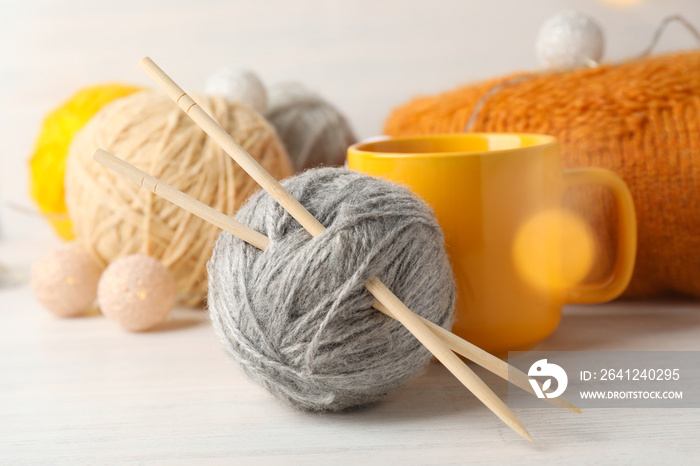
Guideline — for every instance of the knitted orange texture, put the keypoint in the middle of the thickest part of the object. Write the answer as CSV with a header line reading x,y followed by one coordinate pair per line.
x,y
640,119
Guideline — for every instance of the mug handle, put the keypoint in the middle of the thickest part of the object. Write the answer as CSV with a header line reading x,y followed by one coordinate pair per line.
x,y
612,286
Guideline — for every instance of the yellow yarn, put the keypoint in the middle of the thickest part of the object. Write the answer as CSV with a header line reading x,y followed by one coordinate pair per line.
x,y
113,217
47,165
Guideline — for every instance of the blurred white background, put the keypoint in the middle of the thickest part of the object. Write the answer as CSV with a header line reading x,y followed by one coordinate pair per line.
x,y
365,56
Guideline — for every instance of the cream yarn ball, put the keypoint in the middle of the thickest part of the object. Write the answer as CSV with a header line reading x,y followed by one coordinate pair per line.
x,y
569,40
238,85
114,218
137,292
65,281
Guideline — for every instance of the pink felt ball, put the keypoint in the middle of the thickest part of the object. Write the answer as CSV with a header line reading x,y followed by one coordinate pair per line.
x,y
136,291
65,281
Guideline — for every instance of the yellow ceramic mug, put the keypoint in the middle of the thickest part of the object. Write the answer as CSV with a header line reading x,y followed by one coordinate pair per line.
x,y
517,255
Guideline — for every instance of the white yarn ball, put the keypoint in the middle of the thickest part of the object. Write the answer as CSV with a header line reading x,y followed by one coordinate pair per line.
x,y
569,40
238,85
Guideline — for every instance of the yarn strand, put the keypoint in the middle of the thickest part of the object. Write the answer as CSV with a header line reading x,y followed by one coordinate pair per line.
x,y
662,28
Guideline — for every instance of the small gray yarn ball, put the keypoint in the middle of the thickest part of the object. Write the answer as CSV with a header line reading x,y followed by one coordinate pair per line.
x,y
297,317
314,132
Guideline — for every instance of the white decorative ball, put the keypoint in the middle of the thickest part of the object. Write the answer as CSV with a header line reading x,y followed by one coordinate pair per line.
x,y
137,291
569,40
65,281
238,85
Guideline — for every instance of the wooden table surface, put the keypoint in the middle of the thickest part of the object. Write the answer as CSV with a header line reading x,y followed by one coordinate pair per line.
x,y
84,391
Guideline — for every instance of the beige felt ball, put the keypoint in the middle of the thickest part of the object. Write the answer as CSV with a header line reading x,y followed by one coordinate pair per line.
x,y
137,291
65,281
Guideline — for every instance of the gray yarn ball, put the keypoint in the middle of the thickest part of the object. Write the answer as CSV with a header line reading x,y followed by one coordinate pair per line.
x,y
297,316
313,131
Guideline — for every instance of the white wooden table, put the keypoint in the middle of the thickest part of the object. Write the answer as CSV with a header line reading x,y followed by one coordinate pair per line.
x,y
84,391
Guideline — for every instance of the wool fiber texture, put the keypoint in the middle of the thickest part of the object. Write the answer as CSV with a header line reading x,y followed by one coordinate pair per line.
x,y
314,131
297,316
113,217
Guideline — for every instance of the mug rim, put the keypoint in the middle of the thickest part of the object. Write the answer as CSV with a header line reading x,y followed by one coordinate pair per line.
x,y
360,148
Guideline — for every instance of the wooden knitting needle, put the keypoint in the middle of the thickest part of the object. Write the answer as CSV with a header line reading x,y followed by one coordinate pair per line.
x,y
486,360
260,241
404,315
180,199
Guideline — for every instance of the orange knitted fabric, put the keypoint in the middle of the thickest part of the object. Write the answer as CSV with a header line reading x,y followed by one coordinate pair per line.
x,y
640,119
